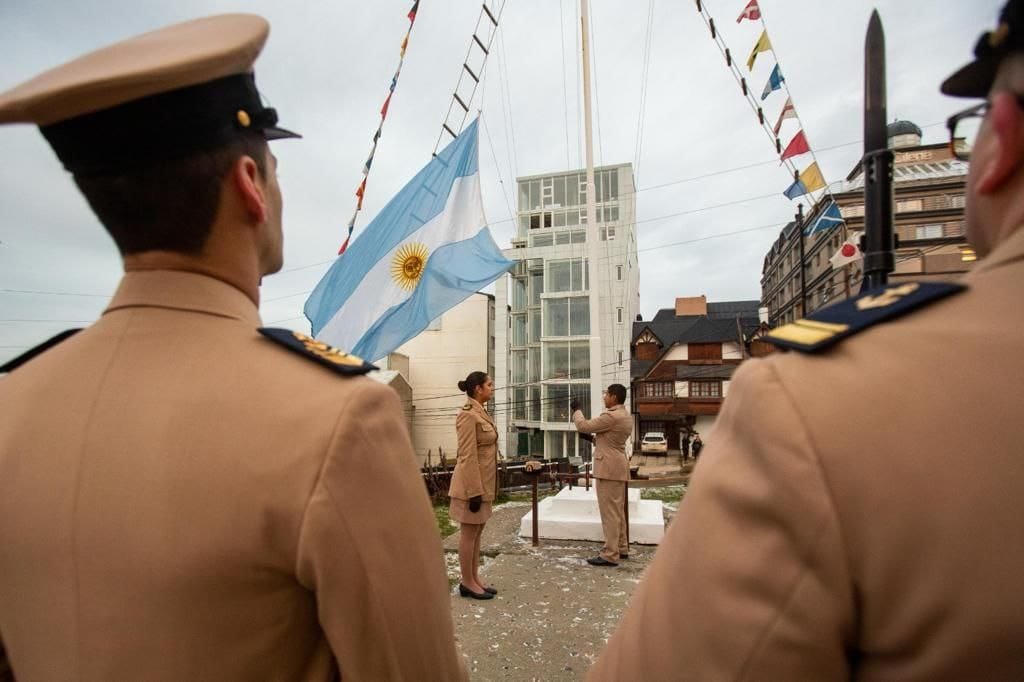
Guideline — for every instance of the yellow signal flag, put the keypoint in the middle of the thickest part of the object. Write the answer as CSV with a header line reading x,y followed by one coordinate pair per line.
x,y
763,45
811,178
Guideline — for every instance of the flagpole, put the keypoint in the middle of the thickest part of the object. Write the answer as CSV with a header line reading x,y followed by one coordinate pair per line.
x,y
592,232
803,267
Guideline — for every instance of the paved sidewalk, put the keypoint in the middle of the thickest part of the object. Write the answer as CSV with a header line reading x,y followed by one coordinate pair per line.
x,y
553,613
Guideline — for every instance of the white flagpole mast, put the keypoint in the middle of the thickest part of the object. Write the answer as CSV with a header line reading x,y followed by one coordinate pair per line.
x,y
592,232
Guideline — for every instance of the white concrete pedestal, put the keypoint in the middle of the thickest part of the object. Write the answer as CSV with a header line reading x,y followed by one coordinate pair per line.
x,y
574,515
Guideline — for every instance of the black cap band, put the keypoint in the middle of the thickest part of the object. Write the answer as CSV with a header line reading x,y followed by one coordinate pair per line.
x,y
170,125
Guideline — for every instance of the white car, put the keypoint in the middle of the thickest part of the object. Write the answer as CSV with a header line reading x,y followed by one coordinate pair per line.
x,y
654,441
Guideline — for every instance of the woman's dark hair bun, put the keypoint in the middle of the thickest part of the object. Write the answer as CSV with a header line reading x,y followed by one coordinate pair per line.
x,y
462,385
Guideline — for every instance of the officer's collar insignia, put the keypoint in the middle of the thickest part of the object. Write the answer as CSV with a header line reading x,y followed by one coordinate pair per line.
x,y
826,327
17,362
322,353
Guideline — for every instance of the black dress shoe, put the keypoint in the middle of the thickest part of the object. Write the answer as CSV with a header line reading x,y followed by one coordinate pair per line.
x,y
600,561
623,556
490,590
466,592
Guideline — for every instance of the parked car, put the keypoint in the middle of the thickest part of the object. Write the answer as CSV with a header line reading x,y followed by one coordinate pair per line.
x,y
655,442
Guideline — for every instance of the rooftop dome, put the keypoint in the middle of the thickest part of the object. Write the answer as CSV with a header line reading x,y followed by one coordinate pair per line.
x,y
902,128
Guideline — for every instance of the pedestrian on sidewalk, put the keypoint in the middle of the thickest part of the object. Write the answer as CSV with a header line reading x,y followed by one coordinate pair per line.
x,y
611,429
684,444
698,445
474,479
809,556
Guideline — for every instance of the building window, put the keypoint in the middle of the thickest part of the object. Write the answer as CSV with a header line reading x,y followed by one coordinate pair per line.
x,y
567,316
567,360
620,358
958,201
567,275
618,315
618,272
657,389
909,205
929,231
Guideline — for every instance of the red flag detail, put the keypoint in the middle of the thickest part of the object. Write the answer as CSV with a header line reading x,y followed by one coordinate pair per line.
x,y
343,246
751,11
796,146
384,109
359,193
412,12
848,251
787,112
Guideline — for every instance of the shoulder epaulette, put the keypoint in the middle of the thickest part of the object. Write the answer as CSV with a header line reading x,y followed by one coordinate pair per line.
x,y
11,365
317,351
826,327
467,406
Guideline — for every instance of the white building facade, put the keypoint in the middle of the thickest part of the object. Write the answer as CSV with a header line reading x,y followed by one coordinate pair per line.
x,y
542,330
457,343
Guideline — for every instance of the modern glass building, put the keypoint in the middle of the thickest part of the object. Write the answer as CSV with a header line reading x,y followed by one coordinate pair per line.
x,y
542,331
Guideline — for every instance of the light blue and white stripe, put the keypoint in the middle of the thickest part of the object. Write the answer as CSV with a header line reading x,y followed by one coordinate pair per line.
x,y
360,306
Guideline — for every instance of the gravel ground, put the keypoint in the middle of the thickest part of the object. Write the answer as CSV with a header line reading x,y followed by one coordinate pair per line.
x,y
553,613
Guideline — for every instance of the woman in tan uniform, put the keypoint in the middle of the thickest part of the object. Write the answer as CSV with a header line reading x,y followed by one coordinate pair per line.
x,y
473,482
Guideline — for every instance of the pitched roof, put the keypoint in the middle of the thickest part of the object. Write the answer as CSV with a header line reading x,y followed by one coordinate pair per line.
x,y
705,371
689,329
729,309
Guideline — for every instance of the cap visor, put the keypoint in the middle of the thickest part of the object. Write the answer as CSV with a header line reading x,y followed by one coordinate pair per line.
x,y
973,80
275,133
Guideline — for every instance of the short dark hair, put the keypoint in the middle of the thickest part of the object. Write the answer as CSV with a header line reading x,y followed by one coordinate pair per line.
x,y
619,391
171,206
469,385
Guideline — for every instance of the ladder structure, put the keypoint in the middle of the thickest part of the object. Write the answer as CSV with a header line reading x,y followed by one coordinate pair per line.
x,y
472,70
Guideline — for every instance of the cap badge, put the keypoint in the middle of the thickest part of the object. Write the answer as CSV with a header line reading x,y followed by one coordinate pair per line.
x,y
999,35
243,118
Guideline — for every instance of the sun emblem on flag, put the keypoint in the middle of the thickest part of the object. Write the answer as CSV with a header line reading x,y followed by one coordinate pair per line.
x,y
407,265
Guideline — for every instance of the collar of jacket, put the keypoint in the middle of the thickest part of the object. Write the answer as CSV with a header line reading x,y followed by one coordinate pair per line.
x,y
178,290
473,404
1009,251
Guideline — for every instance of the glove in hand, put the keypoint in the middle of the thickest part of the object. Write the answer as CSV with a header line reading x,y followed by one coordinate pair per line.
x,y
475,502
574,405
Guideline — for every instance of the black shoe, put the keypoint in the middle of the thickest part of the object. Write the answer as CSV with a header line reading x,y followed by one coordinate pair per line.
x,y
623,555
600,561
490,590
466,592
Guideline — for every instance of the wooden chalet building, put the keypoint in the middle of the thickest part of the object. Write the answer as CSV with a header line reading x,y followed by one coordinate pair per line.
x,y
682,362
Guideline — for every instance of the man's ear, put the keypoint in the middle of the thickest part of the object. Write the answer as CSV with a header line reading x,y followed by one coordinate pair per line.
x,y
245,176
1004,155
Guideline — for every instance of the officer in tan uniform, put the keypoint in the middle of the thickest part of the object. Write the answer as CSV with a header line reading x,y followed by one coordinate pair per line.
x,y
611,429
798,554
185,495
474,480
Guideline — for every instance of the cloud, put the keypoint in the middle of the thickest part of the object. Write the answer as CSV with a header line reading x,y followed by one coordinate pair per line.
x,y
326,69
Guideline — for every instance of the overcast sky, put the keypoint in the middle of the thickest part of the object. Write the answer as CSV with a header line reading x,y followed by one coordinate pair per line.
x,y
327,67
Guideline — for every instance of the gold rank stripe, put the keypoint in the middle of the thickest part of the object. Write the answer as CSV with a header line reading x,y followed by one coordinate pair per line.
x,y
807,332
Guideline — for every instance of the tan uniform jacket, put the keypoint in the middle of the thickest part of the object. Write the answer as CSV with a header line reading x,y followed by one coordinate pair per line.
x,y
611,429
476,469
858,514
183,499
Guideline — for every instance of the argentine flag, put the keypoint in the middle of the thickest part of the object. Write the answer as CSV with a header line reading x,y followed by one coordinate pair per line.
x,y
425,252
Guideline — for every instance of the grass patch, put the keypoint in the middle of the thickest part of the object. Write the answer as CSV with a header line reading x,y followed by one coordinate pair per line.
x,y
671,493
444,522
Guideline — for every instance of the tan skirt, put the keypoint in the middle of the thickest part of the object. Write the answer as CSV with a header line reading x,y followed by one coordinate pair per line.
x,y
459,511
